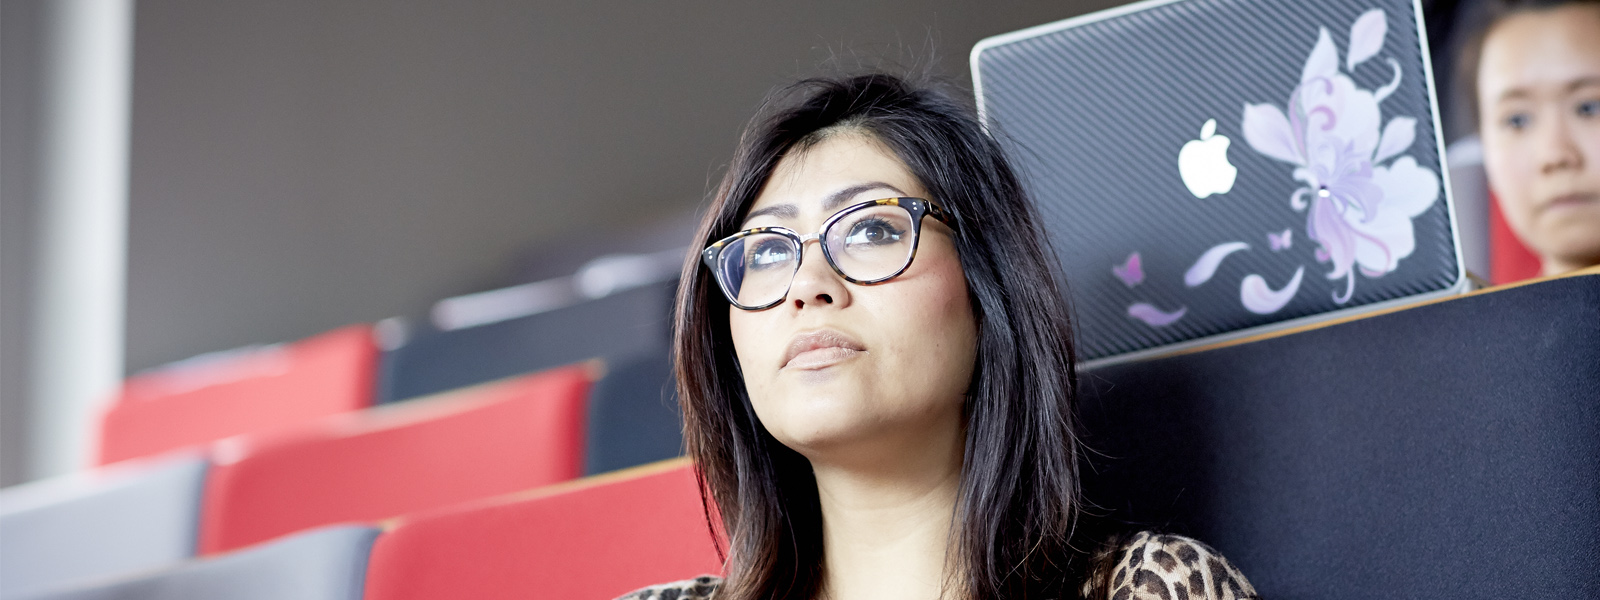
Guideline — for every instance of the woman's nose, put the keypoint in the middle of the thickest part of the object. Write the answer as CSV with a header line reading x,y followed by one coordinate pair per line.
x,y
1558,151
815,283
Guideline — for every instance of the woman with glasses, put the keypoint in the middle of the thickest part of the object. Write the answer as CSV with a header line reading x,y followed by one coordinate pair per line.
x,y
876,370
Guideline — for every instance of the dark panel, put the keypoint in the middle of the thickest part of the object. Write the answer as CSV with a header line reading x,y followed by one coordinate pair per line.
x,y
633,415
1446,451
631,322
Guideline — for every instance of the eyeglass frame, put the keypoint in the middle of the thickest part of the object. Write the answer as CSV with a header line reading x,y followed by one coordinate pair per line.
x,y
917,207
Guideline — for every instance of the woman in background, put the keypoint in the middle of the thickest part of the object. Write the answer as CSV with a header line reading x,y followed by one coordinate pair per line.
x,y
1538,98
889,412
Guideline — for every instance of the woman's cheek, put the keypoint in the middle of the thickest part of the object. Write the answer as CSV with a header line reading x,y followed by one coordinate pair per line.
x,y
1508,173
749,350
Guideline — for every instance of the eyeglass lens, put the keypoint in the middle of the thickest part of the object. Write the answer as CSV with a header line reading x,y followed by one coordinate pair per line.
x,y
866,245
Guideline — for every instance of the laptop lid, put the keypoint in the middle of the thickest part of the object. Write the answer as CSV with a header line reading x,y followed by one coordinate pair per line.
x,y
1210,169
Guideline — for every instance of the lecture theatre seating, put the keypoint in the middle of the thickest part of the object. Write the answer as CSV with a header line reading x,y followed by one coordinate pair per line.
x,y
487,440
111,521
256,391
324,564
630,322
593,539
1442,450
1447,450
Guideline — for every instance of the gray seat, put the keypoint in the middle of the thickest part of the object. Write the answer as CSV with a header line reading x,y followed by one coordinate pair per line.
x,y
321,564
101,523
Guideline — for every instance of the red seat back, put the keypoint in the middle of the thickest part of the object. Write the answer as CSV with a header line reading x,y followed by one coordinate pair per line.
x,y
483,441
255,392
601,538
1509,259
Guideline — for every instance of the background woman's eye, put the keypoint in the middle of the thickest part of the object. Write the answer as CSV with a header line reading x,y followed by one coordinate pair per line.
x,y
1518,121
1589,109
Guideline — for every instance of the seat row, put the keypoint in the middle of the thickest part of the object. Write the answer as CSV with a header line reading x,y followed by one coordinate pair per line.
x,y
262,389
506,436
1445,450
1369,457
595,538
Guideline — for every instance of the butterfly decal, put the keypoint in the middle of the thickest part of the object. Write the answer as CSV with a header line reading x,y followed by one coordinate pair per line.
x,y
1131,271
1280,241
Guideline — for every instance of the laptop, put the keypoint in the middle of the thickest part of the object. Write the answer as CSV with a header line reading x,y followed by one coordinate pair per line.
x,y
1211,169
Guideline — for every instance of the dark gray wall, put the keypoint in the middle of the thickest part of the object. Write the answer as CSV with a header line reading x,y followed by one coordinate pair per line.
x,y
20,21
299,165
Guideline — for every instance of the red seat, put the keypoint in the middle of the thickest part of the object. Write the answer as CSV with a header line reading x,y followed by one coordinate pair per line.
x,y
483,441
597,539
1509,259
253,392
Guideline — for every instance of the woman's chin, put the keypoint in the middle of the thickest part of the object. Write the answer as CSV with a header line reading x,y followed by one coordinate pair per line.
x,y
818,422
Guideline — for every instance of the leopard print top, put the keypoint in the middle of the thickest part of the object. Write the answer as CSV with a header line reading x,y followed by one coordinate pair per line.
x,y
1147,567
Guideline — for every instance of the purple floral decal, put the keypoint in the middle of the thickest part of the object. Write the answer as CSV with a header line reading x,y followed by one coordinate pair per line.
x,y
1153,316
1131,271
1358,189
1207,265
1359,210
1259,298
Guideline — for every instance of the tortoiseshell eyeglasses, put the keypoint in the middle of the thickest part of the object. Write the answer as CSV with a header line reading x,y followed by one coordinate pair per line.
x,y
867,243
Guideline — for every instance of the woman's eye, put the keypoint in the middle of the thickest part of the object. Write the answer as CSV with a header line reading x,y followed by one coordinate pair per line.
x,y
1589,109
873,232
766,255
1517,121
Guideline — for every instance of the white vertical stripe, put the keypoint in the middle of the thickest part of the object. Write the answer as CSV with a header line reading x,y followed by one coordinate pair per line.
x,y
83,227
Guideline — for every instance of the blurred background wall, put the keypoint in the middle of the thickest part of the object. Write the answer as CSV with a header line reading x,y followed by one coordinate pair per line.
x,y
19,91
298,165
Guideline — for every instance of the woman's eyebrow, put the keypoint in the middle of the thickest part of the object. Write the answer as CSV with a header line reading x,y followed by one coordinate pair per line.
x,y
1514,94
835,199
790,211
782,211
1582,82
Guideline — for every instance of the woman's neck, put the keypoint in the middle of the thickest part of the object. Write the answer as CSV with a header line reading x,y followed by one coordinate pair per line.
x,y
886,522
1550,265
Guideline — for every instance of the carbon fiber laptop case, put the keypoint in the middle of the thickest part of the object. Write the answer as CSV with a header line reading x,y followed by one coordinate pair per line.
x,y
1209,169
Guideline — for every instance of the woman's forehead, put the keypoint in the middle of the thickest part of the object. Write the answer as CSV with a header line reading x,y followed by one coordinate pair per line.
x,y
1553,48
828,175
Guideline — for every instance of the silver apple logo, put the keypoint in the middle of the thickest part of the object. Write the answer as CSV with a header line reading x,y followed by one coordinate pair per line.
x,y
1203,163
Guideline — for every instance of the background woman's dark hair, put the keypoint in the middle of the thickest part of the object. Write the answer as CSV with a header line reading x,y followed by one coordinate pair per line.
x,y
1491,13
1018,491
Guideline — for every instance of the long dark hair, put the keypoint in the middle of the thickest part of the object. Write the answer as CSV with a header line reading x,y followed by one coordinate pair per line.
x,y
1018,489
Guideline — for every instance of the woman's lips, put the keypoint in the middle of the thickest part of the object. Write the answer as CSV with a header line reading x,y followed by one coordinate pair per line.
x,y
1571,200
821,348
819,358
